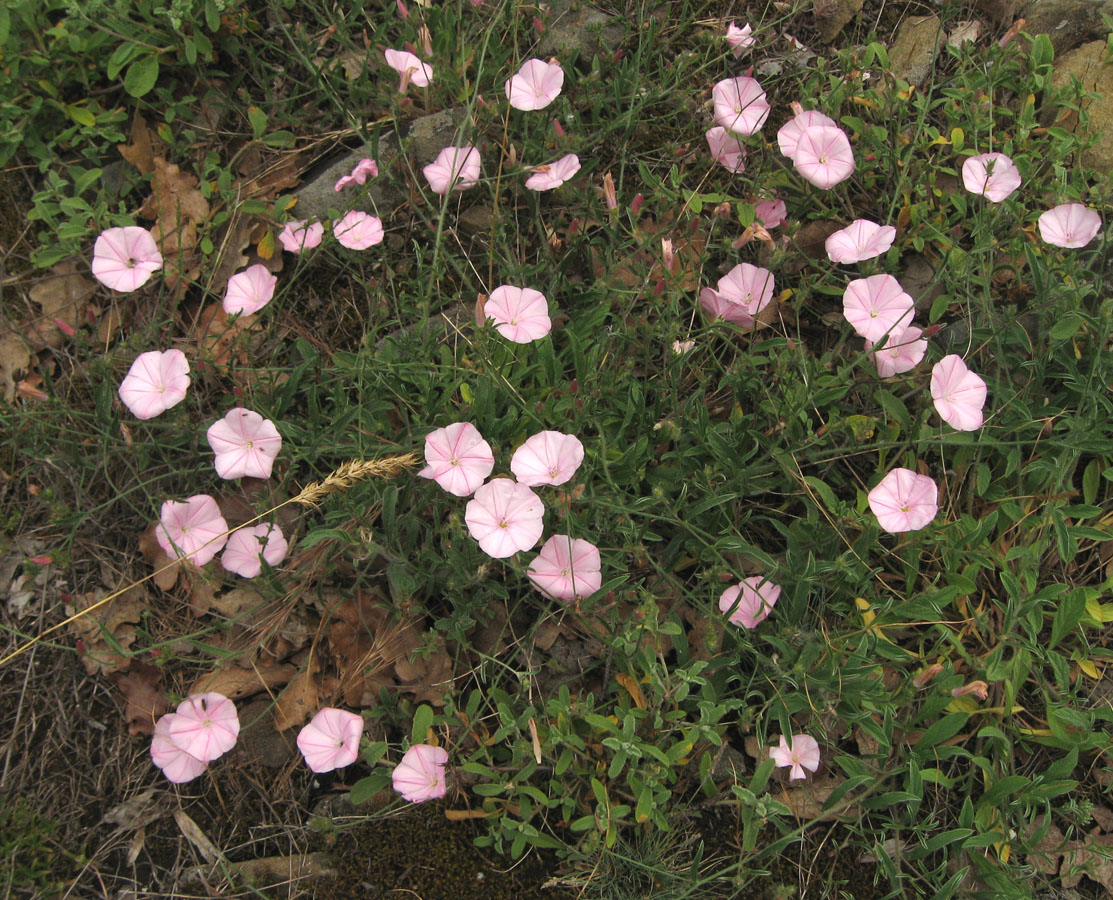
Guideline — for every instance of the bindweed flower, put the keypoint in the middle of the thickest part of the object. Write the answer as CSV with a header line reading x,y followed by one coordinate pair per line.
x,y
977,689
740,105
548,457
679,348
454,169
364,169
457,458
245,444
566,568
739,39
771,213
823,156
177,765
192,528
860,240
1069,225
520,315
412,69
249,546
357,230
296,237
876,306
726,149
742,293
749,602
958,394
904,501
902,351
993,175
536,84
331,739
553,175
801,752
420,774
788,137
156,381
249,291
205,726
504,517
125,258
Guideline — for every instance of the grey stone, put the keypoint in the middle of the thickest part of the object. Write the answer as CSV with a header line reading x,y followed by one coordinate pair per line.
x,y
431,134
831,16
913,52
1068,23
318,194
576,29
1089,66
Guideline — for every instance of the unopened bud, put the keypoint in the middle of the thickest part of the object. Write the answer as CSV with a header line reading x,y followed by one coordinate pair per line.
x,y
925,675
977,689
610,198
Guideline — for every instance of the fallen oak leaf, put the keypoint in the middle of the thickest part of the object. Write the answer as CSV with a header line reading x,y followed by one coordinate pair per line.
x,y
144,697
236,682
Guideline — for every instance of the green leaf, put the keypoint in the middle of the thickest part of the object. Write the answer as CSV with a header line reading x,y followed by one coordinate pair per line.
x,y
1091,481
366,788
258,120
141,76
423,721
1067,616
81,116
5,23
1010,784
1065,328
945,728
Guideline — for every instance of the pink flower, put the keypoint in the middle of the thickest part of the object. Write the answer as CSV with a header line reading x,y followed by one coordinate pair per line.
x,y
788,137
904,501
726,149
412,69
297,236
802,752
365,168
566,568
877,305
420,774
245,444
457,458
1069,225
357,230
177,765
740,105
124,258
156,381
193,528
454,169
901,352
977,689
504,517
958,394
331,739
742,293
548,457
749,602
536,84
553,175
520,315
861,239
205,726
771,213
739,38
823,156
679,348
993,175
249,291
246,545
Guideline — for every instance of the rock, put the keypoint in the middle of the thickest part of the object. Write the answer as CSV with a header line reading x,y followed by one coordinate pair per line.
x,y
575,29
318,194
913,52
430,134
259,742
831,16
1068,23
1089,66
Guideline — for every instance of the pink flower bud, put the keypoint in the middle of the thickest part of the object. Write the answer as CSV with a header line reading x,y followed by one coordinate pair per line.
x,y
925,675
978,689
402,10
636,205
610,198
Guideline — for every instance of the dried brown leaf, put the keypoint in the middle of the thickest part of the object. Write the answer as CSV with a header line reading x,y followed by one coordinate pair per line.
x,y
237,682
144,698
299,701
140,152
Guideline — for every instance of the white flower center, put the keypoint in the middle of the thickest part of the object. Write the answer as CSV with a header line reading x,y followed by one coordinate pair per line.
x,y
455,461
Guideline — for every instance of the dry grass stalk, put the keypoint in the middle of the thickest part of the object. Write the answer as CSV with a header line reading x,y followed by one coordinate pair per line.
x,y
352,471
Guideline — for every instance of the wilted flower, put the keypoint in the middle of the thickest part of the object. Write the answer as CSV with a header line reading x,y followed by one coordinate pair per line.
x,y
749,602
977,689
365,168
739,38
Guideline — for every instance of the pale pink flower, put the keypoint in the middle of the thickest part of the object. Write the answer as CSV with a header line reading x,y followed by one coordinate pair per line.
x,y
412,69
504,517
192,528
877,305
457,458
750,601
726,149
1069,225
247,547
679,348
454,169
742,293
520,315
124,258
548,457
860,240
823,156
536,84
977,689
298,236
801,752
205,726
420,774
177,765
789,134
250,290
904,501
553,175
901,352
771,213
566,568
156,381
993,175
958,394
365,168
740,105
739,39
245,444
357,230
331,739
